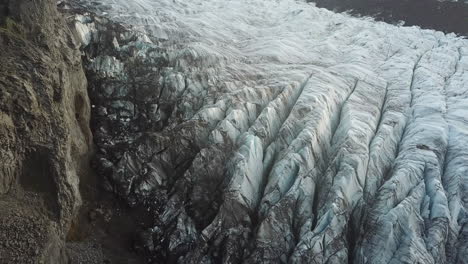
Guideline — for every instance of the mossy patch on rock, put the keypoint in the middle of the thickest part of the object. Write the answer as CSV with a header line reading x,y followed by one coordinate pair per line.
x,y
12,28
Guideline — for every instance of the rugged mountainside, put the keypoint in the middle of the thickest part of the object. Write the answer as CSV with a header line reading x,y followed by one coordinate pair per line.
x,y
273,131
44,133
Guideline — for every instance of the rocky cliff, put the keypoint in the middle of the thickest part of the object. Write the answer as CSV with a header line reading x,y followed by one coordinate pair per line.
x,y
45,138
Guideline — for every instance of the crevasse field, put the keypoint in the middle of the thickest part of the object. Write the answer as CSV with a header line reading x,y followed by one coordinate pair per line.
x,y
321,138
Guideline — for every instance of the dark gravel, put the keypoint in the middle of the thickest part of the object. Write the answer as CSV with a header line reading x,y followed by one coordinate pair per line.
x,y
446,16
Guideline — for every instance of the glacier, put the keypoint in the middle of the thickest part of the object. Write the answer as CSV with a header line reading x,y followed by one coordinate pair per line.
x,y
260,131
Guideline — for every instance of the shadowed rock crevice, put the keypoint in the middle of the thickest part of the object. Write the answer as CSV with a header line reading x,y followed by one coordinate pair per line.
x,y
39,176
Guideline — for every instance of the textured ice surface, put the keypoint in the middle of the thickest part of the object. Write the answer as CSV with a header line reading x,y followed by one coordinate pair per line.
x,y
280,132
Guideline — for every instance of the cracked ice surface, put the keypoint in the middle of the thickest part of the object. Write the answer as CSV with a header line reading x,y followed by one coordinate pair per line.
x,y
319,138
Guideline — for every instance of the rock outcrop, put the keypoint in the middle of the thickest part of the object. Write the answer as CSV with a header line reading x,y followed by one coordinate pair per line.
x,y
276,132
45,138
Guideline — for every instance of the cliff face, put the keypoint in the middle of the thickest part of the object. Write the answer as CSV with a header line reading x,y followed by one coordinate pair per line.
x,y
44,133
277,132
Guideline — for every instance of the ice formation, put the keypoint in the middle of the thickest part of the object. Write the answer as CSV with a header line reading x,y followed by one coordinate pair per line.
x,y
276,132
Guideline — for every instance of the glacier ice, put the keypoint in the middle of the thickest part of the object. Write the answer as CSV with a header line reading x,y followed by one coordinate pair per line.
x,y
278,132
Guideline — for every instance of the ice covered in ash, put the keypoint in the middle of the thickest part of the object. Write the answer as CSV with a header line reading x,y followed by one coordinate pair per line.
x,y
262,131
